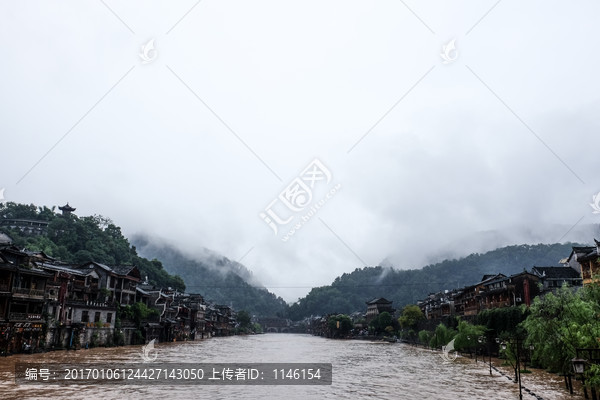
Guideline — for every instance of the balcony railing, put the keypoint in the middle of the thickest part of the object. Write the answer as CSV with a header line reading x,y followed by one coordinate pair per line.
x,y
25,292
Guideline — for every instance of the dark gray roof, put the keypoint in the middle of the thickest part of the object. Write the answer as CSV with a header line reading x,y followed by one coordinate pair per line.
x,y
583,249
380,300
5,239
70,270
91,264
34,271
122,269
583,253
487,279
556,272
67,207
117,269
493,281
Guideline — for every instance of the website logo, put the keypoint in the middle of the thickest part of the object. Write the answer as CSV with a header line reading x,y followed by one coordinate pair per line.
x,y
148,53
596,203
448,358
147,350
300,200
449,53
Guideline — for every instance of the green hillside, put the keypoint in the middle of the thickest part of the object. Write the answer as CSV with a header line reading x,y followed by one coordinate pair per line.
x,y
74,239
217,278
79,239
349,292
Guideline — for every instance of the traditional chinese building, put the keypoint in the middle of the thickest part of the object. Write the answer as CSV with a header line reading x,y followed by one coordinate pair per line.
x,y
439,305
117,283
468,299
78,313
510,291
22,300
66,209
377,306
553,278
585,260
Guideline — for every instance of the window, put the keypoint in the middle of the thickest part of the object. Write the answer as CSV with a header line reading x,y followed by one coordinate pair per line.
x,y
85,317
97,317
109,317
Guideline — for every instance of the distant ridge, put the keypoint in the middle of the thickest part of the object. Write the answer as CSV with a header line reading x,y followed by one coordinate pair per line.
x,y
484,241
349,292
215,277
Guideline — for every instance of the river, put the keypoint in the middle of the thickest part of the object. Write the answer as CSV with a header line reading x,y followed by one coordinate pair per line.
x,y
361,369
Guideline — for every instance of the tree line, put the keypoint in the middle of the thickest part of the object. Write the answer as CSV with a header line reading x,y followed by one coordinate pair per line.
x,y
547,334
349,292
76,240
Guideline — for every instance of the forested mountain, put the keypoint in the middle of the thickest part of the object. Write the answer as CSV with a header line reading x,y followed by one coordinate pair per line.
x,y
215,277
74,239
349,292
79,239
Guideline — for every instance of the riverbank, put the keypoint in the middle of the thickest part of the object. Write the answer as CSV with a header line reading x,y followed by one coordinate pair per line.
x,y
534,384
530,380
39,352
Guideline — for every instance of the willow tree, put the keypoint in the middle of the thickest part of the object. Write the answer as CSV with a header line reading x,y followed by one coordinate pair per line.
x,y
560,323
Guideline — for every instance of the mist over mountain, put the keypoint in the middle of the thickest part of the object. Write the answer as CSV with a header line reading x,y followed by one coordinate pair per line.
x,y
349,292
484,241
217,278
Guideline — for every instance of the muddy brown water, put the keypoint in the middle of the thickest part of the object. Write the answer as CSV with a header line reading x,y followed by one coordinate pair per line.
x,y
361,370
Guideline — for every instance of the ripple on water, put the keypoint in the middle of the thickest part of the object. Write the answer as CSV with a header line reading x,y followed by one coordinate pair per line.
x,y
360,370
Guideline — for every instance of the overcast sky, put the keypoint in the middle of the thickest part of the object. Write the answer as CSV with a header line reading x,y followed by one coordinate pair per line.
x,y
419,144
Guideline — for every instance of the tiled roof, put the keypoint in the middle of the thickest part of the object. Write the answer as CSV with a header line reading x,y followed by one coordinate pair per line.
x,y
122,269
583,253
5,239
380,300
556,272
70,270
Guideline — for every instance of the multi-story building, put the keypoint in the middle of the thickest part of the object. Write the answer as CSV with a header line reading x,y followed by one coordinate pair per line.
x,y
117,283
585,260
467,300
377,306
439,305
510,291
76,308
553,278
22,301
